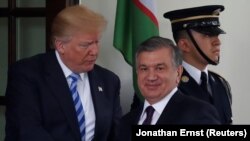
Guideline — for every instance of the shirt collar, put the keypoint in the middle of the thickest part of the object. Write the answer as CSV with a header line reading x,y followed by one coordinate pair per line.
x,y
159,106
194,72
66,70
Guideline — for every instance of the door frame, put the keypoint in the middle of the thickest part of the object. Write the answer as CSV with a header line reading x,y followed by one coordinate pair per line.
x,y
12,12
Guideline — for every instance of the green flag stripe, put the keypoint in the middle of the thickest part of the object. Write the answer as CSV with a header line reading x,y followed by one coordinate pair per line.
x,y
134,24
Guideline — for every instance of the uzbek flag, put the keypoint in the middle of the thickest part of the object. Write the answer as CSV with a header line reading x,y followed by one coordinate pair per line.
x,y
135,22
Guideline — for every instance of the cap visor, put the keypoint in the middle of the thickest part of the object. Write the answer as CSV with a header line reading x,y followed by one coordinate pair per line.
x,y
213,30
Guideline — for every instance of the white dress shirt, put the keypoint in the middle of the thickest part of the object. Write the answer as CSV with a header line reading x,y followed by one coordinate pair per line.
x,y
159,107
196,74
83,89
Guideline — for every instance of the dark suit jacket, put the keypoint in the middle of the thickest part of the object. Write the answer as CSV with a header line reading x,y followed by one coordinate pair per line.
x,y
221,93
180,110
40,106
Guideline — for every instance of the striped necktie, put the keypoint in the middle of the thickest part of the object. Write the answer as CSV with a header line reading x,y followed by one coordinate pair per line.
x,y
78,104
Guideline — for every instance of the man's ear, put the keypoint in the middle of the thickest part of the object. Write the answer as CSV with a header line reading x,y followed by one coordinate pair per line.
x,y
179,73
184,45
59,46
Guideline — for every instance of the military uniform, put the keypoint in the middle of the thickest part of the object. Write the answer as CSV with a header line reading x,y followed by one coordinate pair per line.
x,y
221,93
205,20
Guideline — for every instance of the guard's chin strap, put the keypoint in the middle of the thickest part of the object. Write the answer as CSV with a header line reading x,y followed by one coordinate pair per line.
x,y
200,51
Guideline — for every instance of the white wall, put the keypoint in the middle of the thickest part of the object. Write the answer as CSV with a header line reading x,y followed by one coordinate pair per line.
x,y
234,52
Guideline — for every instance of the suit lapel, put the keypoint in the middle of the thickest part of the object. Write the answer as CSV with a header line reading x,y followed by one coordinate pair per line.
x,y
59,86
214,87
135,115
171,110
100,101
218,96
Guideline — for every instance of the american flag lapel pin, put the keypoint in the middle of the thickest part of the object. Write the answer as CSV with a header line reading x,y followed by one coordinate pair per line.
x,y
100,89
